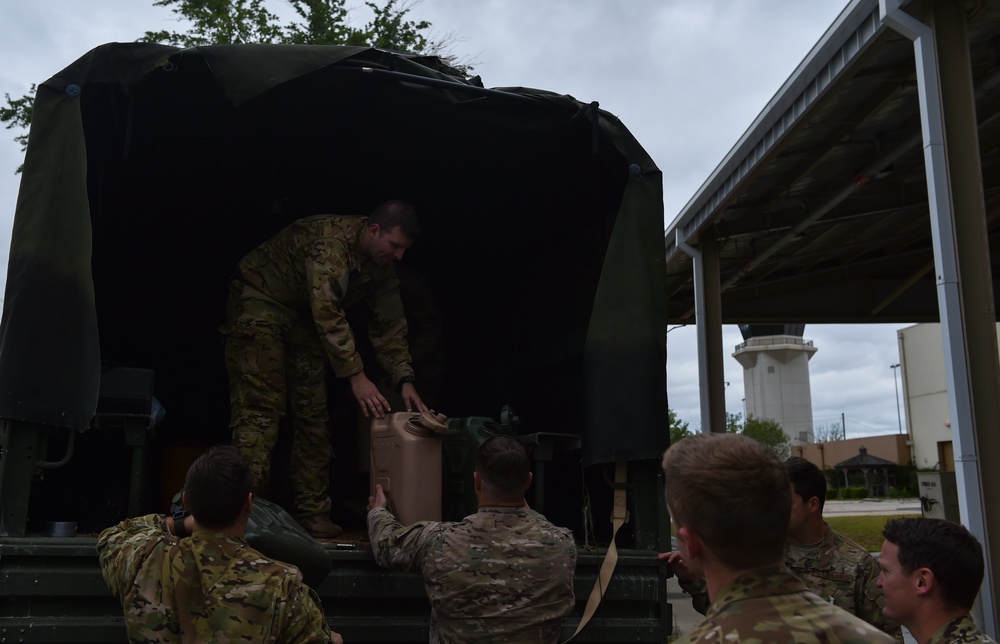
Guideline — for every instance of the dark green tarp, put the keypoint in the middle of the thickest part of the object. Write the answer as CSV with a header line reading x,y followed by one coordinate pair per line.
x,y
150,171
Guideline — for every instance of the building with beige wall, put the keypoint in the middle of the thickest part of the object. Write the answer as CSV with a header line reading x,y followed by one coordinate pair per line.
x,y
925,396
891,447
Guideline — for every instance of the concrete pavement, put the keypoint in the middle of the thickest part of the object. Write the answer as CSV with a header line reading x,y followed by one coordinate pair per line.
x,y
871,506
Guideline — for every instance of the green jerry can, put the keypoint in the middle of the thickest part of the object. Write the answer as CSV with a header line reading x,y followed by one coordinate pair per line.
x,y
461,441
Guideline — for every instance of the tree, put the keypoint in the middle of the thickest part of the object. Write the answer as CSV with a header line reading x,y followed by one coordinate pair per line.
x,y
678,428
770,433
320,22
764,430
18,114
828,433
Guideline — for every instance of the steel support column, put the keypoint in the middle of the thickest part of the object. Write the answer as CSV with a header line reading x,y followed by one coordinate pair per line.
x,y
708,328
948,21
716,421
957,298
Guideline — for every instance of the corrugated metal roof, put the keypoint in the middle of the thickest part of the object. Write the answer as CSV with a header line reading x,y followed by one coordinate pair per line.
x,y
821,207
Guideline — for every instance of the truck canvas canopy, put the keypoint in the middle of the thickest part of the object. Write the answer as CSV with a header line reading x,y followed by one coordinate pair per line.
x,y
152,170
534,295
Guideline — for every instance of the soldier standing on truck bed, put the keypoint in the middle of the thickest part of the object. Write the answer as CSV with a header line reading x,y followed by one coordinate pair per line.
x,y
195,579
285,319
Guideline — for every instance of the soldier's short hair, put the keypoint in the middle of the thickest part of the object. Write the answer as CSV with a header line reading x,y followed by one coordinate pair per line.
x,y
807,480
216,487
503,464
948,549
733,492
394,213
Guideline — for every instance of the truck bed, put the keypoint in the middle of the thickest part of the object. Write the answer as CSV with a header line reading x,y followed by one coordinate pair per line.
x,y
53,592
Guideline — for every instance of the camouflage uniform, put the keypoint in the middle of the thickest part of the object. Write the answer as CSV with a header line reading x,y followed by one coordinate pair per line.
x,y
959,631
772,605
286,318
846,575
204,588
500,575
842,573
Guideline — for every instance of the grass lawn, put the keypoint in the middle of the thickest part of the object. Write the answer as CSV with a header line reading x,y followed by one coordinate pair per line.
x,y
864,530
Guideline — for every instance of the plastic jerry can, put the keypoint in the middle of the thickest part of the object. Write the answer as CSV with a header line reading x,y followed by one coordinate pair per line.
x,y
406,462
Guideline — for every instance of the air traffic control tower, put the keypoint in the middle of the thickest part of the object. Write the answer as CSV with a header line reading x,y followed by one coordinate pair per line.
x,y
775,362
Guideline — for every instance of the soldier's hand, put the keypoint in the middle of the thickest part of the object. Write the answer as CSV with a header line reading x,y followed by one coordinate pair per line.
x,y
337,639
368,396
377,501
677,565
412,398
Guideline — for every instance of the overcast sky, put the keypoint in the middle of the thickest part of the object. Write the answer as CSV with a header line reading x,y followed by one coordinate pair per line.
x,y
687,77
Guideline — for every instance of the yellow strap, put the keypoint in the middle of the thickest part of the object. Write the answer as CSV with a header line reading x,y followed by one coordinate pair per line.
x,y
618,518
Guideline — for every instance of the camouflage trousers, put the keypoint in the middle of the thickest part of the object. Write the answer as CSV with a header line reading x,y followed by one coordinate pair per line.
x,y
276,365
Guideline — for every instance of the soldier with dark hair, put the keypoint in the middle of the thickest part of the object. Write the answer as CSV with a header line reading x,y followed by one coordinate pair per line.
x,y
286,320
197,579
834,567
504,574
931,573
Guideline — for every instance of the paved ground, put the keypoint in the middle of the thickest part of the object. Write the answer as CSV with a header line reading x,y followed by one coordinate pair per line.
x,y
871,506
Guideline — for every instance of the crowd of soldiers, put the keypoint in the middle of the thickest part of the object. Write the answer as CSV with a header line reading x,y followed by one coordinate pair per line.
x,y
754,551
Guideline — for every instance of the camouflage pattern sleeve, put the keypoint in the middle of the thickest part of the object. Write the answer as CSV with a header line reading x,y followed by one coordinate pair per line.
x,y
699,594
327,269
302,619
960,631
387,329
396,546
772,605
123,548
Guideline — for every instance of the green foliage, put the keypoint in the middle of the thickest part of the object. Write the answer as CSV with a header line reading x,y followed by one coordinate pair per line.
x,y
17,113
763,430
770,433
853,492
866,530
318,22
218,22
678,428
906,481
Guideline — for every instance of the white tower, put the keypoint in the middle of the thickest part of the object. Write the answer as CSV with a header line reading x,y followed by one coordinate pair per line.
x,y
775,362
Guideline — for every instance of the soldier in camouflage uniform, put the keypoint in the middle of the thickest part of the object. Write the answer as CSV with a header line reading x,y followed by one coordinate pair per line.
x,y
286,319
504,574
197,580
831,565
730,500
931,573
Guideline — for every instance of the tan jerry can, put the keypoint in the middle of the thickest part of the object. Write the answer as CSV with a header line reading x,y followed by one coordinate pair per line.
x,y
406,462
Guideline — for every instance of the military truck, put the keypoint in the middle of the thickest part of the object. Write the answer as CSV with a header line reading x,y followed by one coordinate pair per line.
x,y
150,171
